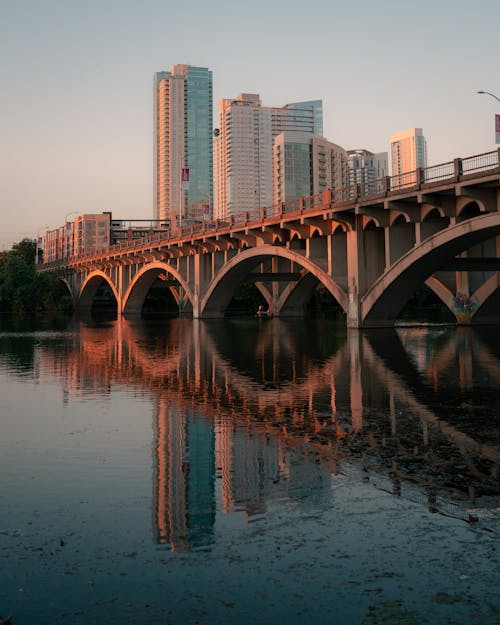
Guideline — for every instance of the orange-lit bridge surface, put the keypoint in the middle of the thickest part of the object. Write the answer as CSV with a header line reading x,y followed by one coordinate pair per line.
x,y
370,246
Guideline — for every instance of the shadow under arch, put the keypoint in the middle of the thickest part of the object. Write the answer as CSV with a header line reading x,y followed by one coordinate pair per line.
x,y
67,285
89,289
219,293
135,295
381,304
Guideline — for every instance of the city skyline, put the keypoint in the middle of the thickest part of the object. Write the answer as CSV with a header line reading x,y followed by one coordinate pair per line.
x,y
77,105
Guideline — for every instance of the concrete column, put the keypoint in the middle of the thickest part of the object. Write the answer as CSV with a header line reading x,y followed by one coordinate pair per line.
x,y
356,275
387,241
199,278
418,237
119,286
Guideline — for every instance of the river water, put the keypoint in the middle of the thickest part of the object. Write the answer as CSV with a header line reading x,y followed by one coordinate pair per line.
x,y
248,472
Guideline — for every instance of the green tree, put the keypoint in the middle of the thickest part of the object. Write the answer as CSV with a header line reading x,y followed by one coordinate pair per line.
x,y
22,288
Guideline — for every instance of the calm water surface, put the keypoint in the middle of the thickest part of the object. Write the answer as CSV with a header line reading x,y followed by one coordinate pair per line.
x,y
250,472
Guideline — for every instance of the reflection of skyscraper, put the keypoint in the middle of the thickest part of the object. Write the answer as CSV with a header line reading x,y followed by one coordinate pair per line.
x,y
183,142
185,476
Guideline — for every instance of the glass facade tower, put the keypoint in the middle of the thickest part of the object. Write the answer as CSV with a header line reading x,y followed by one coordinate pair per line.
x,y
183,143
244,166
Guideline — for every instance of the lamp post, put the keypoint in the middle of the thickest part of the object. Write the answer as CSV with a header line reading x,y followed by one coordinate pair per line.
x,y
490,94
497,117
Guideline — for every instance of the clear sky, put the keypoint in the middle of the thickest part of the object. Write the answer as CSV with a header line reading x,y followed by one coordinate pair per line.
x,y
76,123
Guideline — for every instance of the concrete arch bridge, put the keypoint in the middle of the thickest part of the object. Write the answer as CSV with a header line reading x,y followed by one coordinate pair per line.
x,y
370,246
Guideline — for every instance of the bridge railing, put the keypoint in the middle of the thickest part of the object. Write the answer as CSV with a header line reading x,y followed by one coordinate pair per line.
x,y
436,173
402,181
480,162
338,197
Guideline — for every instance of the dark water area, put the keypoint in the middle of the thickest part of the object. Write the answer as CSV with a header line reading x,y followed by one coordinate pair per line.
x,y
248,471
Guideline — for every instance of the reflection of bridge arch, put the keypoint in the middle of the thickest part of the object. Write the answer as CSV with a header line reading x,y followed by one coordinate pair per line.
x,y
90,287
322,403
380,306
135,294
401,389
219,292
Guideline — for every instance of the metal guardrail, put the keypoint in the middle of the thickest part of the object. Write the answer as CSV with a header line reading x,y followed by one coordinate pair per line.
x,y
435,173
439,172
480,162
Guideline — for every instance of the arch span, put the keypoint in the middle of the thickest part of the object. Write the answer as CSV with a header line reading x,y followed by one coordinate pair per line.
x,y
134,296
90,287
219,292
381,304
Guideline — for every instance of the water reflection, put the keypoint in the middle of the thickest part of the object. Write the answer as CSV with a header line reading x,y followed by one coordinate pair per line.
x,y
247,411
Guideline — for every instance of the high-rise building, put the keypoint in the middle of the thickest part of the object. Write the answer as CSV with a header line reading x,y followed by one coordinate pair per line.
x,y
244,173
408,152
183,143
365,167
305,164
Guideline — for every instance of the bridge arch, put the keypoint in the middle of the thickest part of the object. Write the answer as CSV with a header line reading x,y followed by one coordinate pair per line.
x,y
468,208
137,290
89,288
219,292
434,219
429,211
381,304
399,218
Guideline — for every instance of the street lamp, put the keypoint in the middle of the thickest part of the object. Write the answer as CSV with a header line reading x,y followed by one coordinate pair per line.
x,y
497,117
490,94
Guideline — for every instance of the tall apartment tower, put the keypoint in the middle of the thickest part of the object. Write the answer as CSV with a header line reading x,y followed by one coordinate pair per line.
x,y
183,146
365,167
244,172
408,152
306,164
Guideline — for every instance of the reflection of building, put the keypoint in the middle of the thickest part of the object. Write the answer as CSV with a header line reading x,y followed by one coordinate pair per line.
x,y
408,153
183,142
185,478
244,149
278,421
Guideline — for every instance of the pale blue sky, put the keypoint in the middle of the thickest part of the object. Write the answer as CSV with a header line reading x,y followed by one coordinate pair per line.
x,y
77,98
